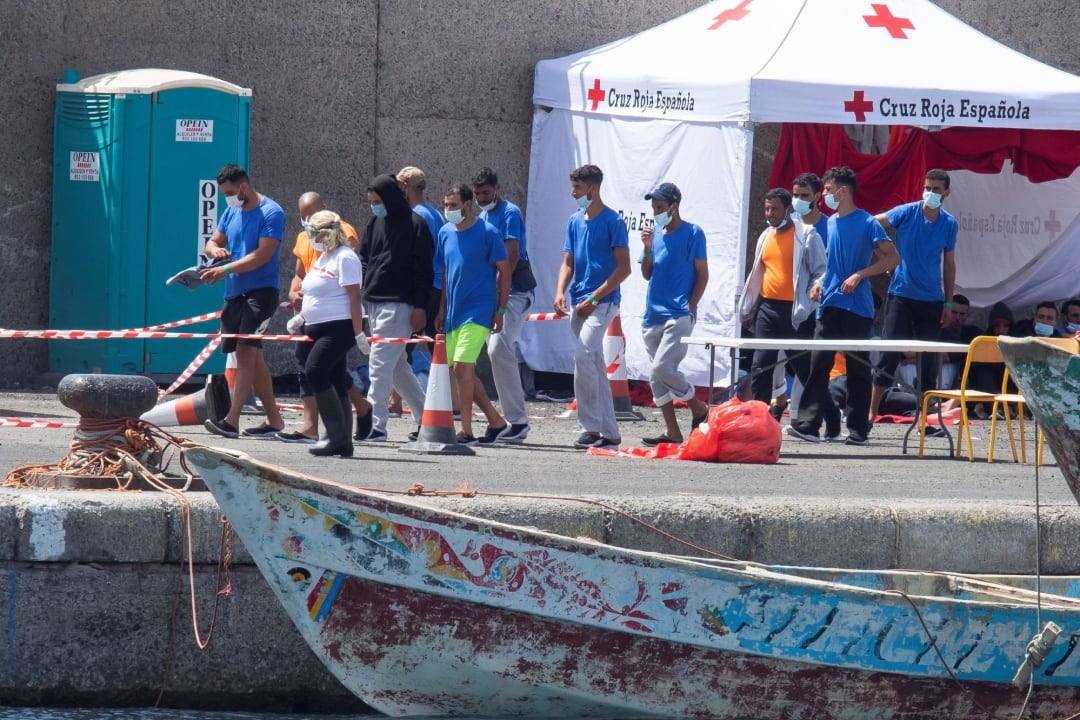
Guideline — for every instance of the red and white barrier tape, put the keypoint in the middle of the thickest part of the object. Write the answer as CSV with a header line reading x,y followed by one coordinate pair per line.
x,y
401,341
195,364
35,423
138,334
546,316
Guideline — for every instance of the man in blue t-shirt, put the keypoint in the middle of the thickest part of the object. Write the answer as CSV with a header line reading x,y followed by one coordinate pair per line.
x,y
677,268
249,234
596,259
470,258
846,309
917,307
502,346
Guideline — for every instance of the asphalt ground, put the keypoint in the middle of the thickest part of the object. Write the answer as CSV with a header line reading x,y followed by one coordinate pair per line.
x,y
820,475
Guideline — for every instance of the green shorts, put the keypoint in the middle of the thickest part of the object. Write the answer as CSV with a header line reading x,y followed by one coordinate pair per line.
x,y
463,344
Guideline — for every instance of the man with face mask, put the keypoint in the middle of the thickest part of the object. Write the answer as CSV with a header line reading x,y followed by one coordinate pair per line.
x,y
396,252
249,234
1043,324
920,292
1070,317
677,268
470,258
788,260
596,259
805,194
858,250
502,346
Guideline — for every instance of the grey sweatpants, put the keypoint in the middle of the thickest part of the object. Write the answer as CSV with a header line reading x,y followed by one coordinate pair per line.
x,y
663,342
595,408
504,361
388,368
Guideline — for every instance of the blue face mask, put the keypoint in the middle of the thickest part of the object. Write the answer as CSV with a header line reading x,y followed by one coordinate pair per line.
x,y
801,206
455,216
662,220
931,200
1044,330
831,202
378,210
1073,327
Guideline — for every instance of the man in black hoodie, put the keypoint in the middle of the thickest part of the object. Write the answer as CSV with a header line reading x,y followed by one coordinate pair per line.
x,y
396,252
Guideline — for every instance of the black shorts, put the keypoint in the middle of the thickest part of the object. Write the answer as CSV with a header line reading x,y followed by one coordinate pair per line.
x,y
247,313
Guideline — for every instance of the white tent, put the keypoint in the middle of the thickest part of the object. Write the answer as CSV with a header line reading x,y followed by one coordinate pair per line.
x,y
678,103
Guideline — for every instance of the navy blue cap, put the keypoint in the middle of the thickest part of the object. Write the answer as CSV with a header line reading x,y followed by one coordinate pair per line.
x,y
667,192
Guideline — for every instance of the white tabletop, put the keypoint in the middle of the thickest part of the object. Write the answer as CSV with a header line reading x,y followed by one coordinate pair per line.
x,y
838,345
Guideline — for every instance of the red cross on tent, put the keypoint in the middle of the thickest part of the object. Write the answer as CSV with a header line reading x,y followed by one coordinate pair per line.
x,y
1052,226
884,18
859,106
596,94
734,14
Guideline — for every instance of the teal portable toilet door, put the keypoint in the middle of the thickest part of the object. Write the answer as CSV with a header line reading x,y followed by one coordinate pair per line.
x,y
194,132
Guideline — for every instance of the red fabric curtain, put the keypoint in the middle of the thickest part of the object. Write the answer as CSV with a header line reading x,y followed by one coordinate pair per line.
x,y
896,176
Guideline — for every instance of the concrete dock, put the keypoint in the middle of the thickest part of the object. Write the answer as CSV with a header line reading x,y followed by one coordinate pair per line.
x,y
95,609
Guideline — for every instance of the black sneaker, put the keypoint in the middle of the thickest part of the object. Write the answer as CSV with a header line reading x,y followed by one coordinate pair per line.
x,y
516,433
796,432
465,439
363,426
856,438
493,435
221,427
414,435
588,439
935,431
608,443
295,437
654,441
376,436
262,432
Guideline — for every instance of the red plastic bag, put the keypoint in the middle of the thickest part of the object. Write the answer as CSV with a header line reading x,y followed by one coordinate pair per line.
x,y
736,432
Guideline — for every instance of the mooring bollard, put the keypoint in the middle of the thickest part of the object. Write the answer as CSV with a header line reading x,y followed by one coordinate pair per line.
x,y
104,397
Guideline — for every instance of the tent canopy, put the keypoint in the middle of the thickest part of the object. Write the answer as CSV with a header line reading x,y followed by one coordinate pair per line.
x,y
894,62
679,102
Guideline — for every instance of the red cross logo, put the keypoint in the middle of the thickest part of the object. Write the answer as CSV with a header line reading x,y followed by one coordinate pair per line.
x,y
734,14
885,19
1052,225
858,105
596,94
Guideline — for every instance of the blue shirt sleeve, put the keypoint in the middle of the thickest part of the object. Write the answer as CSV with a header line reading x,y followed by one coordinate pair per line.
x,y
273,225
898,215
515,225
437,261
697,244
568,241
496,244
619,236
877,232
950,235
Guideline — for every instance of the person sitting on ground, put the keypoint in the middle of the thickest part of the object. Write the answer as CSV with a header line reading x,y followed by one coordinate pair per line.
x,y
1044,324
1070,318
957,330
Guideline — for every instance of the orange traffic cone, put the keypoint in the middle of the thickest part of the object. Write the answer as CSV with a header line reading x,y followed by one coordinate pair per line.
x,y
193,409
615,359
436,435
251,404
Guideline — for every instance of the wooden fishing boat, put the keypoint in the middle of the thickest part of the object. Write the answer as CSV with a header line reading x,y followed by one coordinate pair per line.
x,y
421,611
1048,375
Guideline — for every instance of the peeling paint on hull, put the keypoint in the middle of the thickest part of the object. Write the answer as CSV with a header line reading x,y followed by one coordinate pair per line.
x,y
1049,379
420,611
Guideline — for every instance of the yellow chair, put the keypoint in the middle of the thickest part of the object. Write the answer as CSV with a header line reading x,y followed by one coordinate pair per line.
x,y
1006,398
982,349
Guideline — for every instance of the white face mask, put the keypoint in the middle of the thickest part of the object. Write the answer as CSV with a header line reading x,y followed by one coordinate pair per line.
x,y
931,200
831,202
583,201
490,206
317,246
234,201
662,220
455,216
801,206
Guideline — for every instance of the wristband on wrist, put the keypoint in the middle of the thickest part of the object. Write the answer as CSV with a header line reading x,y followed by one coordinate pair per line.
x,y
228,270
648,254
592,299
948,305
818,281
502,311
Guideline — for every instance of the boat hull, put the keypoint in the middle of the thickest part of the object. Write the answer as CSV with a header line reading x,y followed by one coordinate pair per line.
x,y
1049,378
420,611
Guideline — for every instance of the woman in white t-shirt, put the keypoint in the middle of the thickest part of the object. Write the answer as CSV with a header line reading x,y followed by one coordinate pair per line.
x,y
333,319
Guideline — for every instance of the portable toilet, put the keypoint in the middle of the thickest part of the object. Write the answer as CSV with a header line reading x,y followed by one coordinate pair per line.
x,y
135,161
